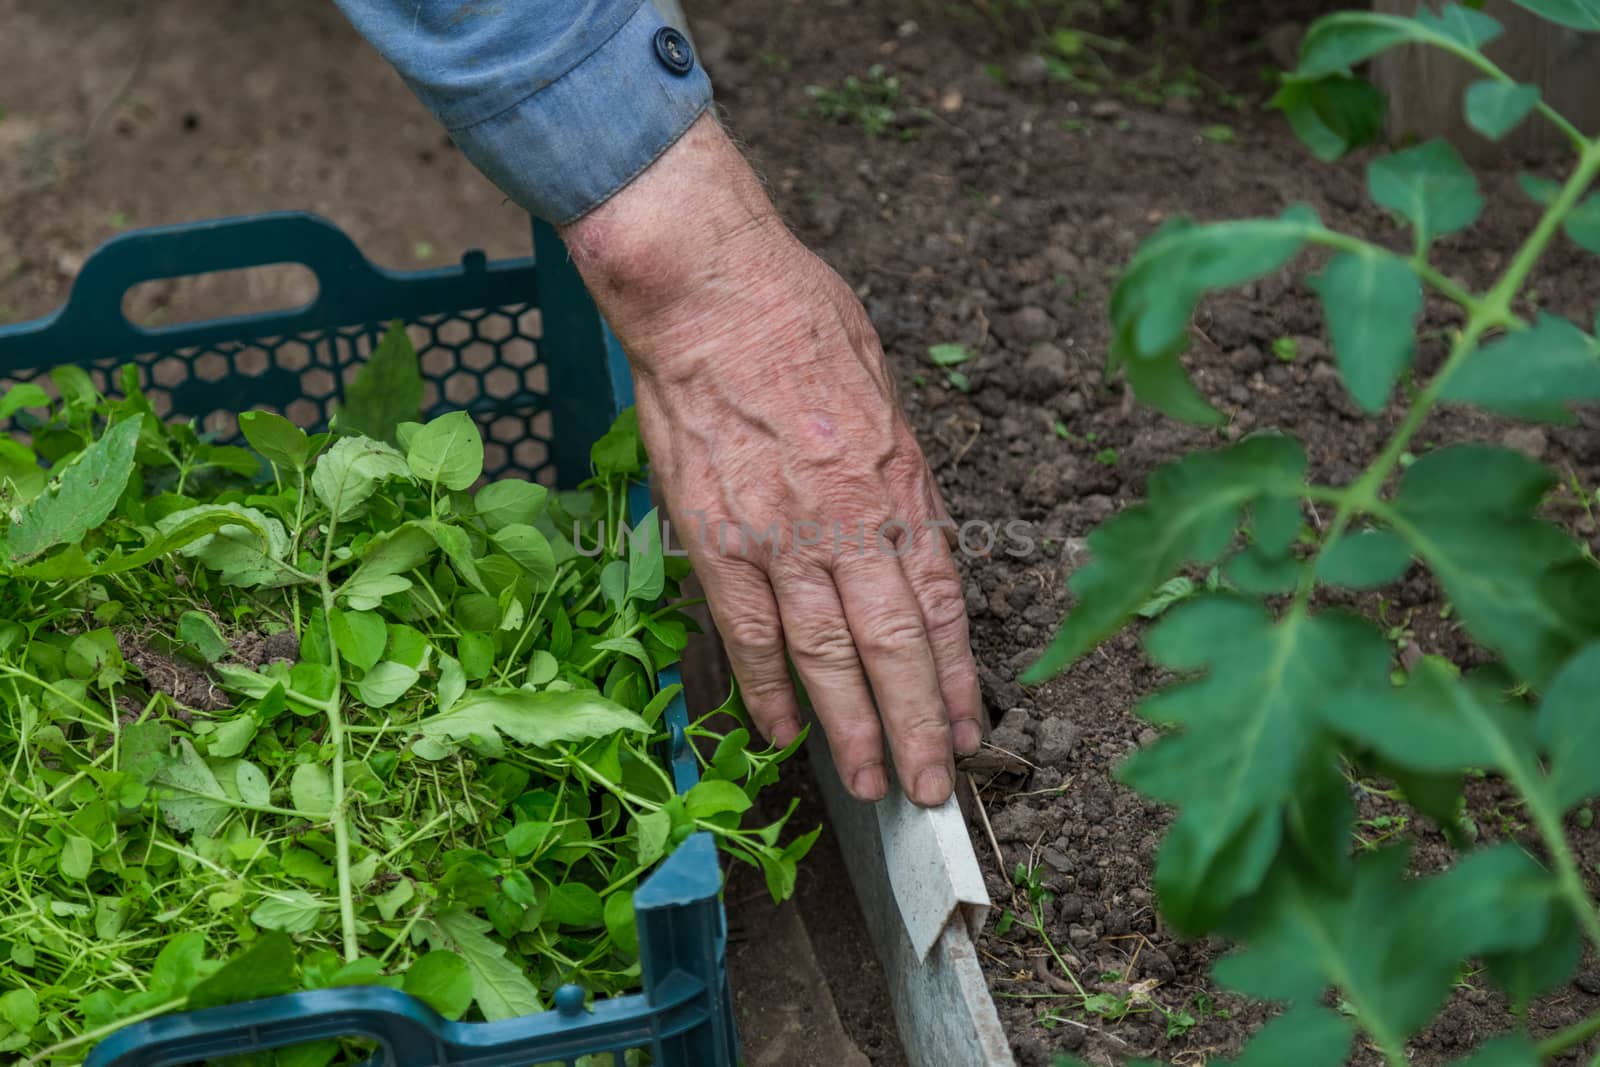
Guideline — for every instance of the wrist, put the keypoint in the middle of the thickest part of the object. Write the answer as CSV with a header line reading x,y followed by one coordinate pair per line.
x,y
688,225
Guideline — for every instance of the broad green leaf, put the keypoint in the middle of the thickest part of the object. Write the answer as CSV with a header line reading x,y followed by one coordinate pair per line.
x,y
79,499
350,472
448,451
1190,515
652,831
1528,973
1514,1050
385,683
531,549
620,450
1569,729
276,438
193,803
291,911
311,790
1332,115
1163,383
1495,109
19,1008
1582,225
510,502
249,551
1578,14
77,858
361,636
574,904
621,922
646,563
1372,301
388,558
1430,187
1342,40
1364,559
540,719
1249,734
387,392
713,797
1532,374
265,969
19,396
1518,582
252,784
200,630
443,981
499,986
456,544
1307,1036
232,737
1157,295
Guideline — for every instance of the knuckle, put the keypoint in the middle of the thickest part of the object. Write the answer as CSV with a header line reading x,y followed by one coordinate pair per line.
x,y
826,647
922,727
753,634
894,637
944,609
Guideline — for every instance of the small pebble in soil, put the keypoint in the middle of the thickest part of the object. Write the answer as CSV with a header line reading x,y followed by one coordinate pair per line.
x,y
1148,736
1588,983
1070,909
1531,441
1054,742
1080,937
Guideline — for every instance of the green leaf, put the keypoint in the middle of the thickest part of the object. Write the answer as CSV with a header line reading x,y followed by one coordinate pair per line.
x,y
949,355
510,502
265,969
350,472
249,551
448,451
540,719
200,630
1569,730
276,438
1163,384
1518,582
385,683
1526,974
1495,109
1332,115
456,544
443,981
77,858
1578,14
387,392
79,499
1372,301
652,832
1430,187
621,923
574,904
1190,515
1532,374
713,797
231,738
1306,1036
19,1008
620,450
361,636
291,911
1364,559
19,396
1514,1050
311,789
531,549
1334,44
1174,591
646,561
499,986
195,803
1247,741
387,558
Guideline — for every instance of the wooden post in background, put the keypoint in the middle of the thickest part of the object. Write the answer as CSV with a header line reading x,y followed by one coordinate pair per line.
x,y
1426,85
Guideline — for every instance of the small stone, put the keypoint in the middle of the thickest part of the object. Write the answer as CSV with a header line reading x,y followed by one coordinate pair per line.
x,y
1054,742
1028,70
992,401
1079,936
1070,909
1045,778
1531,441
1153,963
1030,325
1056,860
1148,736
1063,261
1048,369
1015,742
1019,720
1588,983
1097,811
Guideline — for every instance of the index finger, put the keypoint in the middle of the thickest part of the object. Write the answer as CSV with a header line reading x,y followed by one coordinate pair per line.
x,y
892,640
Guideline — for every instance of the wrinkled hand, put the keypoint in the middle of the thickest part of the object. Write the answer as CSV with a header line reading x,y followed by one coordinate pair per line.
x,y
790,474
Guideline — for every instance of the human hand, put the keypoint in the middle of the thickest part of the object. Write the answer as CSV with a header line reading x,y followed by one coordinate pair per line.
x,y
805,504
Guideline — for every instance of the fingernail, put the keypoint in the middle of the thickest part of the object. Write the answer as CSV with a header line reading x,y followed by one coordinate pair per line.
x,y
871,783
968,736
933,787
784,733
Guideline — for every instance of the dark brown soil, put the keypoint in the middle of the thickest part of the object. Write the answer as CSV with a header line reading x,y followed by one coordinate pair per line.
x,y
1000,223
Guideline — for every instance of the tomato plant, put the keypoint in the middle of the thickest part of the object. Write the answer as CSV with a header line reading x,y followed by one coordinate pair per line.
x,y
1279,696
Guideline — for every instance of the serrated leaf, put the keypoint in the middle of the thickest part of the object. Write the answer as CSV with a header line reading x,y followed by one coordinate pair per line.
x,y
350,472
447,451
79,499
1332,115
1577,14
387,391
1364,559
1430,187
1494,108
1248,734
1532,374
1372,301
1468,511
443,981
499,987
1190,515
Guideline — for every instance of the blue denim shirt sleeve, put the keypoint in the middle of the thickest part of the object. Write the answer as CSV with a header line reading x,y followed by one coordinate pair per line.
x,y
560,102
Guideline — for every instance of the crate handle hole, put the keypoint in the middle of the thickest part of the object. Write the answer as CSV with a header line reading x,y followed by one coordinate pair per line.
x,y
191,298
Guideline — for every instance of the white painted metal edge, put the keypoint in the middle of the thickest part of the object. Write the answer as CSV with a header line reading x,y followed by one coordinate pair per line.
x,y
909,866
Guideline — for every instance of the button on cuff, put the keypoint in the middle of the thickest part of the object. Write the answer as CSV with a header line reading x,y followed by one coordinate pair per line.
x,y
674,51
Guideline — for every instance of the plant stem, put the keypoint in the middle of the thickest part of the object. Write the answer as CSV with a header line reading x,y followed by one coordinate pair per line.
x,y
341,826
91,1036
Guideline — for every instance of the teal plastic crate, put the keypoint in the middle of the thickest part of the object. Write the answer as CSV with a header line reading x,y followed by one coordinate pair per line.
x,y
519,345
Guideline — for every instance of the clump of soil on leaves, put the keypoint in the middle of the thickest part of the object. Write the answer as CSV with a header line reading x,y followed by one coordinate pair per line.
x,y
998,220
